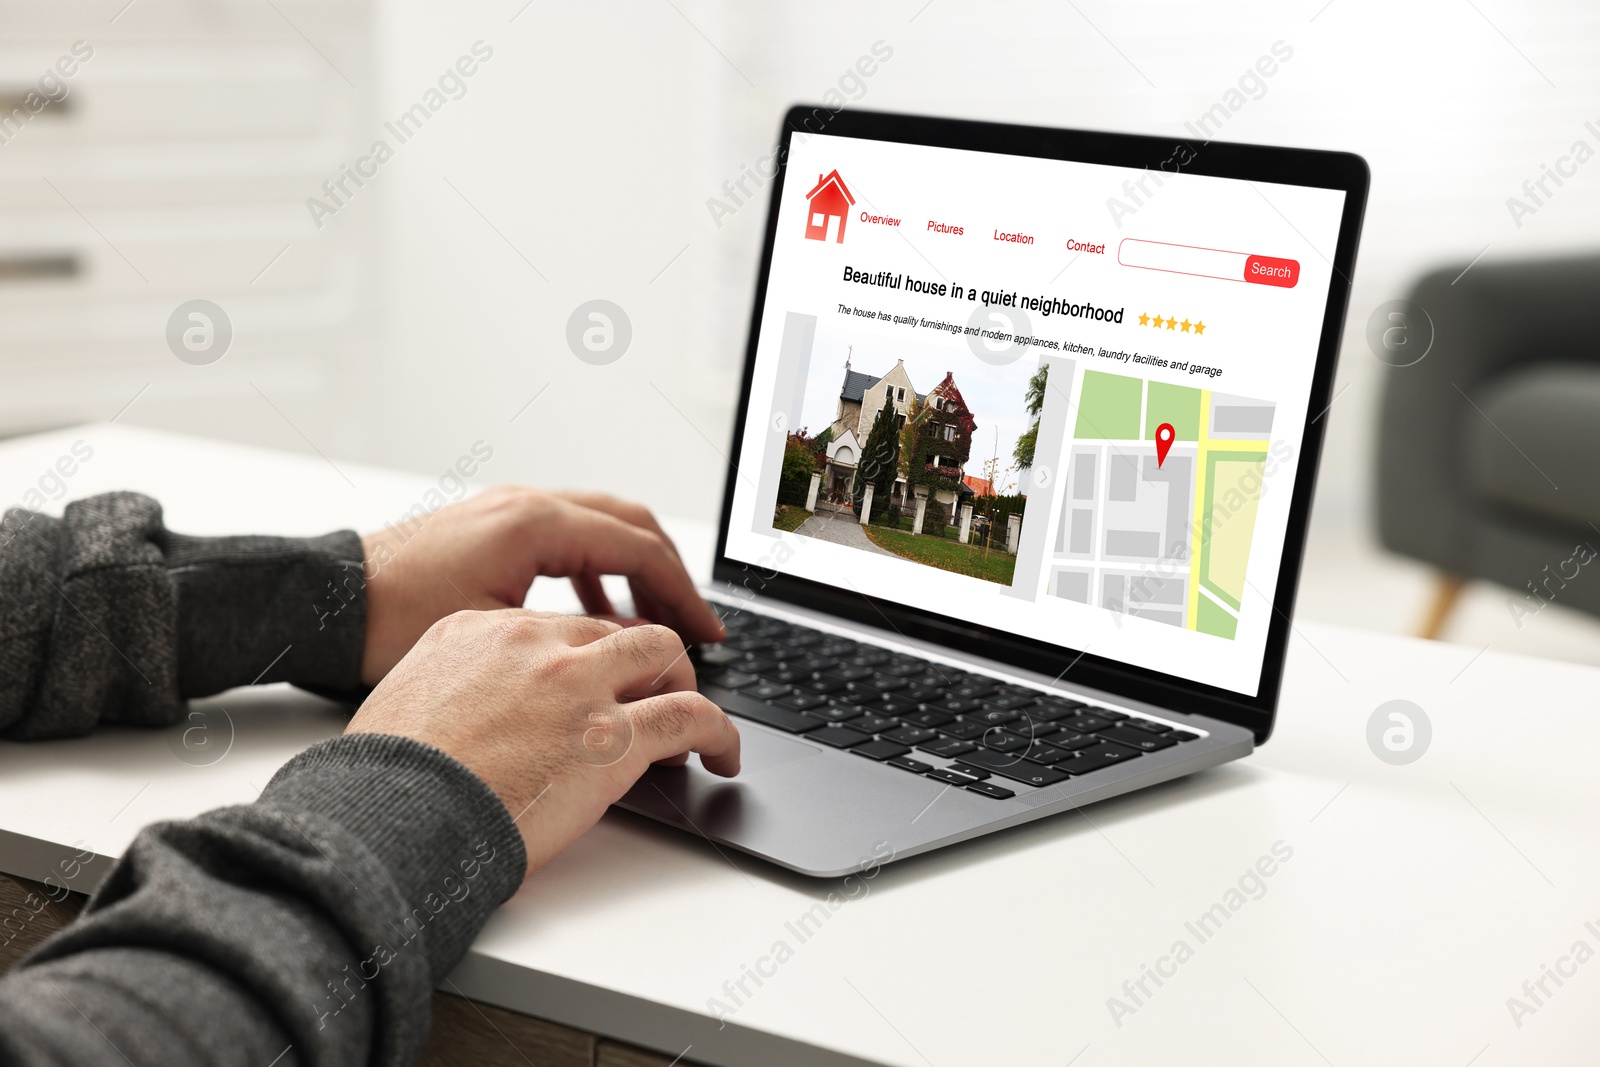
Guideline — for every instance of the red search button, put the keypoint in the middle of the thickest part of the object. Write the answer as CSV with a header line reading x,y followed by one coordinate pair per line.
x,y
1264,270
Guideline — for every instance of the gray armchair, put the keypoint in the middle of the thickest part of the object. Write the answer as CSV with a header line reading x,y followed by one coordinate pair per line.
x,y
1488,458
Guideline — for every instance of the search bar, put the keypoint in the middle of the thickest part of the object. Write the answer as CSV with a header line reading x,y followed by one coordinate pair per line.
x,y
1208,263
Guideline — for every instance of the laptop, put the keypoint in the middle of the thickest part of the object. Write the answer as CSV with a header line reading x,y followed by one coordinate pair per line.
x,y
1020,476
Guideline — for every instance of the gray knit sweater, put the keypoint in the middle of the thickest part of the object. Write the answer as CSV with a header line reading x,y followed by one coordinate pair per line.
x,y
306,928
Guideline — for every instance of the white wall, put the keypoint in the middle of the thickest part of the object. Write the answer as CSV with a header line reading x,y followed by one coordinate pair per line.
x,y
594,137
582,143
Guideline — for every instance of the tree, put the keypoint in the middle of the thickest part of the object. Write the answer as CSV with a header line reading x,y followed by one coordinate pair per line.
x,y
799,461
1034,400
916,414
821,442
880,460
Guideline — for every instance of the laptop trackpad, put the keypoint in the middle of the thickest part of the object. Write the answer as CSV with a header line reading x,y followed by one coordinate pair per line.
x,y
760,750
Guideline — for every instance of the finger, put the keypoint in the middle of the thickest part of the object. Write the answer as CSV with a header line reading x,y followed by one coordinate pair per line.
x,y
578,539
641,661
674,723
642,517
644,605
636,515
592,594
629,512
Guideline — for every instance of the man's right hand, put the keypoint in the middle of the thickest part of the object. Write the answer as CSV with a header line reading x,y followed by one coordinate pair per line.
x,y
558,714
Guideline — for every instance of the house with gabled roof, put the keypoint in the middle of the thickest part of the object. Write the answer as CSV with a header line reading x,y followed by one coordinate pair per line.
x,y
861,397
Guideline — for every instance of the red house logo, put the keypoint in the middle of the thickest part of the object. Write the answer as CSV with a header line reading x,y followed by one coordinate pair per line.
x,y
829,200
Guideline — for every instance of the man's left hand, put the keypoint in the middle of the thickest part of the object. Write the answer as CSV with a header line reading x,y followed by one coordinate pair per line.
x,y
484,553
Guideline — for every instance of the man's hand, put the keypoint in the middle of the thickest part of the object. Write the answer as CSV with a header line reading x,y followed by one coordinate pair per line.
x,y
559,714
485,552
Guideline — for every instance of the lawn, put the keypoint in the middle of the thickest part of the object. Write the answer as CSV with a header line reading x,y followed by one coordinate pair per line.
x,y
946,555
788,519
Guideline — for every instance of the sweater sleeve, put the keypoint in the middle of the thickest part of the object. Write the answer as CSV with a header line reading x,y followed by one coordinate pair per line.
x,y
107,616
307,928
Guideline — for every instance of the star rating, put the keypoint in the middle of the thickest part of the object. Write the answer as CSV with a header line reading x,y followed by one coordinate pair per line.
x,y
1172,322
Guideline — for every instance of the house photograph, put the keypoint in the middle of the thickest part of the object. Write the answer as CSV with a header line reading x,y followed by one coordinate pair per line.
x,y
912,448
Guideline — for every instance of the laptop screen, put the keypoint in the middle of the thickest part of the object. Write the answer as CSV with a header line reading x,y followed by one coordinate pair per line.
x,y
1057,399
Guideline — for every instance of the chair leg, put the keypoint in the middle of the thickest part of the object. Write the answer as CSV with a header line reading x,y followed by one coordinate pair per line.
x,y
1446,595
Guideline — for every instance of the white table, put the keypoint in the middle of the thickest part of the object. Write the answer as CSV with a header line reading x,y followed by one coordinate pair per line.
x,y
1417,900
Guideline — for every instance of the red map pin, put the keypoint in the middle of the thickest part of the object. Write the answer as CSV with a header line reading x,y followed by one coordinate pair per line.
x,y
1164,435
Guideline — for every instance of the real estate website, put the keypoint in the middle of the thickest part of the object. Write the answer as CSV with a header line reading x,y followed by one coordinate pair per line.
x,y
981,391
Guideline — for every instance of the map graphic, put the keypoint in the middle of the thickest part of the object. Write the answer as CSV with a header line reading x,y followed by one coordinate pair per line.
x,y
1170,541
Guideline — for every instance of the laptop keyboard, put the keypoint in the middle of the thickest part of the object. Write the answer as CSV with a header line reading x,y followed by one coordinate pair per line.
x,y
913,714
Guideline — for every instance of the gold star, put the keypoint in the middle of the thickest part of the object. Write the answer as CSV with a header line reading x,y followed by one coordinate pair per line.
x,y
1144,320
1172,324
1158,322
1186,325
1199,327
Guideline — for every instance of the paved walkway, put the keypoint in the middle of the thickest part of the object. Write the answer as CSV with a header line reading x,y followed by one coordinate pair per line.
x,y
841,528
